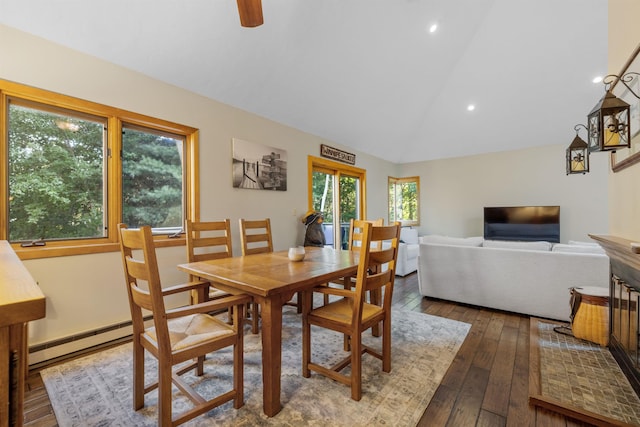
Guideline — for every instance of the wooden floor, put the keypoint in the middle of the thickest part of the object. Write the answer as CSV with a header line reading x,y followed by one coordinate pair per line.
x,y
486,385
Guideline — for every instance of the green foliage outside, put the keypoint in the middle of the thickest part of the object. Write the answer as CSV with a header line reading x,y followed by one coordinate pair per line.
x,y
57,177
152,180
403,201
323,190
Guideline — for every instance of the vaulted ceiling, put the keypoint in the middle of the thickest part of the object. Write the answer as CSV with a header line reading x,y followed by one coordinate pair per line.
x,y
366,74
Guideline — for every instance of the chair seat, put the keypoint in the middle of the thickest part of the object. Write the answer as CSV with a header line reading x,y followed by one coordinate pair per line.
x,y
189,331
341,311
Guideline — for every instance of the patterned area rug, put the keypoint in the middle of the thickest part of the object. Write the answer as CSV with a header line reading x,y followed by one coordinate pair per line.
x,y
96,390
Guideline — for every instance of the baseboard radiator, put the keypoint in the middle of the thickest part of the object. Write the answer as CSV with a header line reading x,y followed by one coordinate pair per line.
x,y
48,352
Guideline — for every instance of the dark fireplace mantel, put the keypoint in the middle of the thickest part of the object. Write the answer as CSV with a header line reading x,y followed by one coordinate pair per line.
x,y
624,317
622,256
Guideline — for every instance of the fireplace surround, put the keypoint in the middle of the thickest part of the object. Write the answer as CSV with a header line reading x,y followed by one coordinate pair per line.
x,y
625,300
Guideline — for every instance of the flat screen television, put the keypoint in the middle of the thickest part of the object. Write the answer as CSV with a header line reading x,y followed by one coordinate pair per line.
x,y
522,223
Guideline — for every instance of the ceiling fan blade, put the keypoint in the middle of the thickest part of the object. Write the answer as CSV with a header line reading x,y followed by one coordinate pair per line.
x,y
250,13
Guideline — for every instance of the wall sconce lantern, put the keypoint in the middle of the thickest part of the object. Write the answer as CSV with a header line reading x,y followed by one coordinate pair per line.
x,y
578,154
609,122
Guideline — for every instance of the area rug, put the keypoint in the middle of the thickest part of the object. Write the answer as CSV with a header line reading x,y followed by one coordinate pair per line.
x,y
96,390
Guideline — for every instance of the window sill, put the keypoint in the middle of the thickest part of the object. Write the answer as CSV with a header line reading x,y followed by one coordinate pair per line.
x,y
60,249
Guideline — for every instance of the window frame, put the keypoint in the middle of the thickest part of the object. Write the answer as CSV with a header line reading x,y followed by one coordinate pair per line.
x,y
399,181
115,118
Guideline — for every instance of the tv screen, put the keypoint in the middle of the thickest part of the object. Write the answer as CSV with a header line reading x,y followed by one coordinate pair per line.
x,y
523,223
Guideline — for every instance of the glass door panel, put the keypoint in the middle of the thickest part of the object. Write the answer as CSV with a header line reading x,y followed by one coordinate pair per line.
x,y
336,190
349,205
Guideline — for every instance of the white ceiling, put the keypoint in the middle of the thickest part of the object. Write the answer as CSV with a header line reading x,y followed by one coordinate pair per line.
x,y
365,74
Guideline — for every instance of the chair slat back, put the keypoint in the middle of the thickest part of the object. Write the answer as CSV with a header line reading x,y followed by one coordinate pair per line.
x,y
140,270
255,236
355,232
208,240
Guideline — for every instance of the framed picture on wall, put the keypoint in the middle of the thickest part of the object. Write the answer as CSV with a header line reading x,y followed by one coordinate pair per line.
x,y
626,157
258,167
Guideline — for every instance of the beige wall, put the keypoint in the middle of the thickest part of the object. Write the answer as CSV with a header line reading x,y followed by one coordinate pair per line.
x,y
87,292
624,186
454,191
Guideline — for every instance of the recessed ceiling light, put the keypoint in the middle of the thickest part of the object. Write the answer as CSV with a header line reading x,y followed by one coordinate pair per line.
x,y
597,79
433,27
471,107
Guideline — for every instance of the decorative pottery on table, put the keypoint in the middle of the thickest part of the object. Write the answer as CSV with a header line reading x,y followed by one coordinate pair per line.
x,y
296,254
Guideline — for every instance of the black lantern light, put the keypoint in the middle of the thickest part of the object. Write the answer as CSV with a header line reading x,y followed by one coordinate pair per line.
x,y
578,154
609,120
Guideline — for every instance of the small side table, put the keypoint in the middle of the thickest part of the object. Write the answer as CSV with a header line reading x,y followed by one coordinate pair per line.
x,y
591,321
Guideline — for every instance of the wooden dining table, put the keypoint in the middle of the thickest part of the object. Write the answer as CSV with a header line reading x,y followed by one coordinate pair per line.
x,y
272,279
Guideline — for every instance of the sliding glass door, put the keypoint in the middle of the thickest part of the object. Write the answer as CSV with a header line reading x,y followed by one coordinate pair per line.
x,y
336,190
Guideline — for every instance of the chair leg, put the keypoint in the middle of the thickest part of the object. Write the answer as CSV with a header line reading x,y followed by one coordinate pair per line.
x,y
164,394
200,366
230,316
254,317
306,334
138,375
238,365
386,344
356,367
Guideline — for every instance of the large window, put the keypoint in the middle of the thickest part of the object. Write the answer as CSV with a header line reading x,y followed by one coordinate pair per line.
x,y
404,198
72,170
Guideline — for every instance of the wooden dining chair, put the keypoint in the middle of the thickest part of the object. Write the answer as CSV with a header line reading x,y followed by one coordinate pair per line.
x,y
212,240
356,227
351,314
255,236
206,241
177,335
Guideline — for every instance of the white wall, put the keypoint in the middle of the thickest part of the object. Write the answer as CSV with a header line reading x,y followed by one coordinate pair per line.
x,y
86,292
454,191
624,186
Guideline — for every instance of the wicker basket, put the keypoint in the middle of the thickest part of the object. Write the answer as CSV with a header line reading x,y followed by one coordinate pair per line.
x,y
591,321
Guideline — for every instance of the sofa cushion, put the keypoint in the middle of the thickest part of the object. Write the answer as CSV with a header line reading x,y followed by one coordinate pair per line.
x,y
507,244
578,243
584,249
413,251
409,236
453,241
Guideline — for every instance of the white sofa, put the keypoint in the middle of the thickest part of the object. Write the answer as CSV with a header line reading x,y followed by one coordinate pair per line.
x,y
510,276
408,250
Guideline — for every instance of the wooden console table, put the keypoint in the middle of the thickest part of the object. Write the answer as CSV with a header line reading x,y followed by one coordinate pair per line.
x,y
21,301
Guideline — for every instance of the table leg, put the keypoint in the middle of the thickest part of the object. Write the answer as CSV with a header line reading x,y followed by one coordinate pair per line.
x,y
271,354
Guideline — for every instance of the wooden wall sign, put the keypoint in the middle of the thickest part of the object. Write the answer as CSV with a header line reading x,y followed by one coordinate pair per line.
x,y
335,154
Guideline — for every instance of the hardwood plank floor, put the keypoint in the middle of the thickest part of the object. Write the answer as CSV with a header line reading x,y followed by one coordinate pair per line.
x,y
486,385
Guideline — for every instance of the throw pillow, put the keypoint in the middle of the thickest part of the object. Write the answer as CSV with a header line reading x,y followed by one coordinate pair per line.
x,y
409,236
578,243
453,241
507,244
583,249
